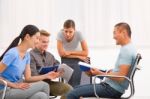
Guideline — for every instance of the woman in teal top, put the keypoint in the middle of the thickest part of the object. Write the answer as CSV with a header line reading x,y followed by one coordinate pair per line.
x,y
15,64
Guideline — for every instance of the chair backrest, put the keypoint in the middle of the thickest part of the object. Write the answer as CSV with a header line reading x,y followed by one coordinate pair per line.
x,y
135,65
133,70
78,77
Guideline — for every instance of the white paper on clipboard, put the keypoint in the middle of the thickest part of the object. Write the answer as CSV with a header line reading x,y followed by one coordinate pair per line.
x,y
68,71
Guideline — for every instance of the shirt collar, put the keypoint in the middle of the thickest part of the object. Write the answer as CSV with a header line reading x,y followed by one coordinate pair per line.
x,y
38,51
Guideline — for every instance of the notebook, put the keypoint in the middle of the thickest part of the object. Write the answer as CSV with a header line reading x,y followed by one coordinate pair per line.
x,y
46,69
84,66
68,71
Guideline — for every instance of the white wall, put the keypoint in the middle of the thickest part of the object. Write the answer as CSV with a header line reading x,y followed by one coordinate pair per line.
x,y
94,18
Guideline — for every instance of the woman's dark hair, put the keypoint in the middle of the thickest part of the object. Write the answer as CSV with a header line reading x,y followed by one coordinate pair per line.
x,y
69,24
28,29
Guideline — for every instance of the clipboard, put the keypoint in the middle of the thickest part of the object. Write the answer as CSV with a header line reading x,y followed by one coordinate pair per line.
x,y
46,69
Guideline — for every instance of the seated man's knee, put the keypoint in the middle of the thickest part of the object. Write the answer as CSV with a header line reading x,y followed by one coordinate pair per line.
x,y
39,95
72,95
45,87
67,88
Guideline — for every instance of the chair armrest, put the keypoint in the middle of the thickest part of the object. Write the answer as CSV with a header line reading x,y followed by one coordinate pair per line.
x,y
130,82
138,67
5,87
112,76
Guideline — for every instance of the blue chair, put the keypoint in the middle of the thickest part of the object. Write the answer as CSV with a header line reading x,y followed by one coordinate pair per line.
x,y
130,78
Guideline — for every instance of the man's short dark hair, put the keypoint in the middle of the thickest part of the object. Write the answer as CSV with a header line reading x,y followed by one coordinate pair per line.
x,y
124,26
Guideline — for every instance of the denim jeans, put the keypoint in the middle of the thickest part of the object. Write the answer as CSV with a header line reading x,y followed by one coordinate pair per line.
x,y
102,89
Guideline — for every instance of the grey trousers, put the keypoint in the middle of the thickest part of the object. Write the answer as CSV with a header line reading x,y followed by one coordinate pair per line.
x,y
37,90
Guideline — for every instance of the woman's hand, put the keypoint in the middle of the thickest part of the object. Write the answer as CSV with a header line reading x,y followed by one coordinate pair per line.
x,y
21,85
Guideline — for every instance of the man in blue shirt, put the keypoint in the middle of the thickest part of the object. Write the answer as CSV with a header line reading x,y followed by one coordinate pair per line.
x,y
112,87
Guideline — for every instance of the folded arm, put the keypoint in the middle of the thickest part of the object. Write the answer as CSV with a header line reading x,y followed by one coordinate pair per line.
x,y
73,54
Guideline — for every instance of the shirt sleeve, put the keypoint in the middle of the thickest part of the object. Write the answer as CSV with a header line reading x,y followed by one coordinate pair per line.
x,y
56,62
80,36
59,36
9,57
34,71
28,59
125,57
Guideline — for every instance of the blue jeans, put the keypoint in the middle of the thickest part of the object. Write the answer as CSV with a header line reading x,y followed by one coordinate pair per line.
x,y
102,89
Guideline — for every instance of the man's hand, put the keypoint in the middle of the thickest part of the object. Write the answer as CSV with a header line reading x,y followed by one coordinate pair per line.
x,y
53,75
88,73
61,71
96,71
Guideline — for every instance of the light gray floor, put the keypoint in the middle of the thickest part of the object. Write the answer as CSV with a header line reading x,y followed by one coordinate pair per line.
x,y
135,97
